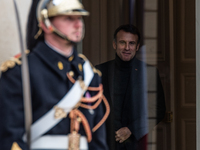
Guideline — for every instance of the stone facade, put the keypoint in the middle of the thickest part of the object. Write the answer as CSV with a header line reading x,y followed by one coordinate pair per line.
x,y
9,36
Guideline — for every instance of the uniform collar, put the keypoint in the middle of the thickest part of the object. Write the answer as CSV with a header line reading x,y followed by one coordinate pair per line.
x,y
124,64
57,49
59,63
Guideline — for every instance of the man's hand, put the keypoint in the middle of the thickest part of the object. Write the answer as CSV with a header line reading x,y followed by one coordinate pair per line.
x,y
122,134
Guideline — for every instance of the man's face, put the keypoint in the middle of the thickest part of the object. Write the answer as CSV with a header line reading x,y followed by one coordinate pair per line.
x,y
126,45
71,26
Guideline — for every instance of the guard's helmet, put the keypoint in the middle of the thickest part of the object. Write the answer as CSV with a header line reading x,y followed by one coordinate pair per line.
x,y
42,10
60,7
51,8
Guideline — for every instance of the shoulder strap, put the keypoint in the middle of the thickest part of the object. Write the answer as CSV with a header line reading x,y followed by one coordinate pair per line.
x,y
47,122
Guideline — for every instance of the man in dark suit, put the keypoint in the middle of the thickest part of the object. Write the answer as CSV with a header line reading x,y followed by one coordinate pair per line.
x,y
125,84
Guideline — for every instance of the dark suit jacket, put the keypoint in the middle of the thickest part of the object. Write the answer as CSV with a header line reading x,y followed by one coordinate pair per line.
x,y
134,111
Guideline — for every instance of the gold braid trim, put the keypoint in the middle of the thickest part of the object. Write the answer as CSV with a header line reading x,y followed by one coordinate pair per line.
x,y
97,99
93,68
105,116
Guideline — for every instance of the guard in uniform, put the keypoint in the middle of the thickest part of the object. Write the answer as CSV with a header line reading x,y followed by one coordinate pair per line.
x,y
66,90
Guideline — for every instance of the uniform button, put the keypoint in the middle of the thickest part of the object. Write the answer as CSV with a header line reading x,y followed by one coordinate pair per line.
x,y
60,65
71,58
71,73
80,67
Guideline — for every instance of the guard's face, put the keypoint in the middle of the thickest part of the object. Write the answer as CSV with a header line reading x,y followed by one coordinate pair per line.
x,y
71,26
126,45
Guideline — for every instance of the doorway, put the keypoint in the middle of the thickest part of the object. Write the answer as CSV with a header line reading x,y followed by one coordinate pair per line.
x,y
169,37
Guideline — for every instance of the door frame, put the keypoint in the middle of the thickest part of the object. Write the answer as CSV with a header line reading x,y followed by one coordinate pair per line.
x,y
197,74
171,15
172,70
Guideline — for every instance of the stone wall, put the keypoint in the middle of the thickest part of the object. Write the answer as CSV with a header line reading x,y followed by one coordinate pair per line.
x,y
9,37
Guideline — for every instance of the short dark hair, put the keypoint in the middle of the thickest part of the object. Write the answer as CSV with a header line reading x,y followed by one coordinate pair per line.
x,y
127,28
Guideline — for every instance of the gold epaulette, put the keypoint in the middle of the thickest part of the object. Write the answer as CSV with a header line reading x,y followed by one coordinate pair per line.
x,y
83,56
93,68
15,146
12,62
97,71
